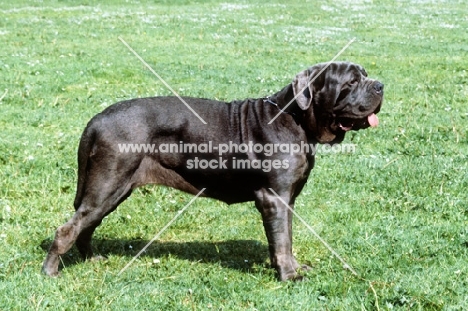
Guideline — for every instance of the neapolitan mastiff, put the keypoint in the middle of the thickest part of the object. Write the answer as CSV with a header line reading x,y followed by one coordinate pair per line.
x,y
327,102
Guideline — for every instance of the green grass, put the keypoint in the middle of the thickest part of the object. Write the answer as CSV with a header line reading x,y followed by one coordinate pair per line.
x,y
396,210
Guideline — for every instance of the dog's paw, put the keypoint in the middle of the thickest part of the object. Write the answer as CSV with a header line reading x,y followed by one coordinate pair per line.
x,y
50,272
304,268
293,277
299,278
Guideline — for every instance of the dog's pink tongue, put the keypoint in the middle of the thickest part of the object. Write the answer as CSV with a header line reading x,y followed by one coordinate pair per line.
x,y
373,120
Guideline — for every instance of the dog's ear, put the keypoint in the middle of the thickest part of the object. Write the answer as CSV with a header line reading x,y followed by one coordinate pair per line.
x,y
305,83
324,88
302,89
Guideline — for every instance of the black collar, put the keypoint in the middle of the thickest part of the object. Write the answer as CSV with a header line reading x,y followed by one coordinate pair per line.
x,y
268,100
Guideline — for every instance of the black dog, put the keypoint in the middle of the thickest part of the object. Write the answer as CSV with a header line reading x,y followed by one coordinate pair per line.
x,y
326,102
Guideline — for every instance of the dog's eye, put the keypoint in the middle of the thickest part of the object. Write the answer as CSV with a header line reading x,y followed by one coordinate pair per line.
x,y
353,81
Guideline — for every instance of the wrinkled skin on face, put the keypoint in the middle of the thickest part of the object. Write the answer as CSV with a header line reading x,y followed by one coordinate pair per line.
x,y
337,98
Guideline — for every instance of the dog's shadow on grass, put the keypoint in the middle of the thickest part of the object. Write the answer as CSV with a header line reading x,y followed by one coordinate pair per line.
x,y
240,255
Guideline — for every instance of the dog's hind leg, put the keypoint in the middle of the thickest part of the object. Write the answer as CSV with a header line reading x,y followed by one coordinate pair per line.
x,y
105,189
83,241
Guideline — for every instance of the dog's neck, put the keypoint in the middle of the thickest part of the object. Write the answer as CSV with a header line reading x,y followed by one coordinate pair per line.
x,y
307,119
285,102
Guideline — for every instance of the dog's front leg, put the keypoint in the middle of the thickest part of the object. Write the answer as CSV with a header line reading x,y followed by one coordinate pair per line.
x,y
277,220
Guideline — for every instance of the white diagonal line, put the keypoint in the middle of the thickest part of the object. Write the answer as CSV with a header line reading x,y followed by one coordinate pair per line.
x,y
313,79
4,94
316,235
162,80
162,230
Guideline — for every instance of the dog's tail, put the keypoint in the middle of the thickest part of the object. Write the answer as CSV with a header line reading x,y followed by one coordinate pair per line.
x,y
85,150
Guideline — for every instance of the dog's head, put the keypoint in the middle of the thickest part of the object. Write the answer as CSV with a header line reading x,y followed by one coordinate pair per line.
x,y
337,97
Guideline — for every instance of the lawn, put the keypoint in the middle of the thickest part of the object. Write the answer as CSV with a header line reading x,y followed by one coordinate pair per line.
x,y
396,209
